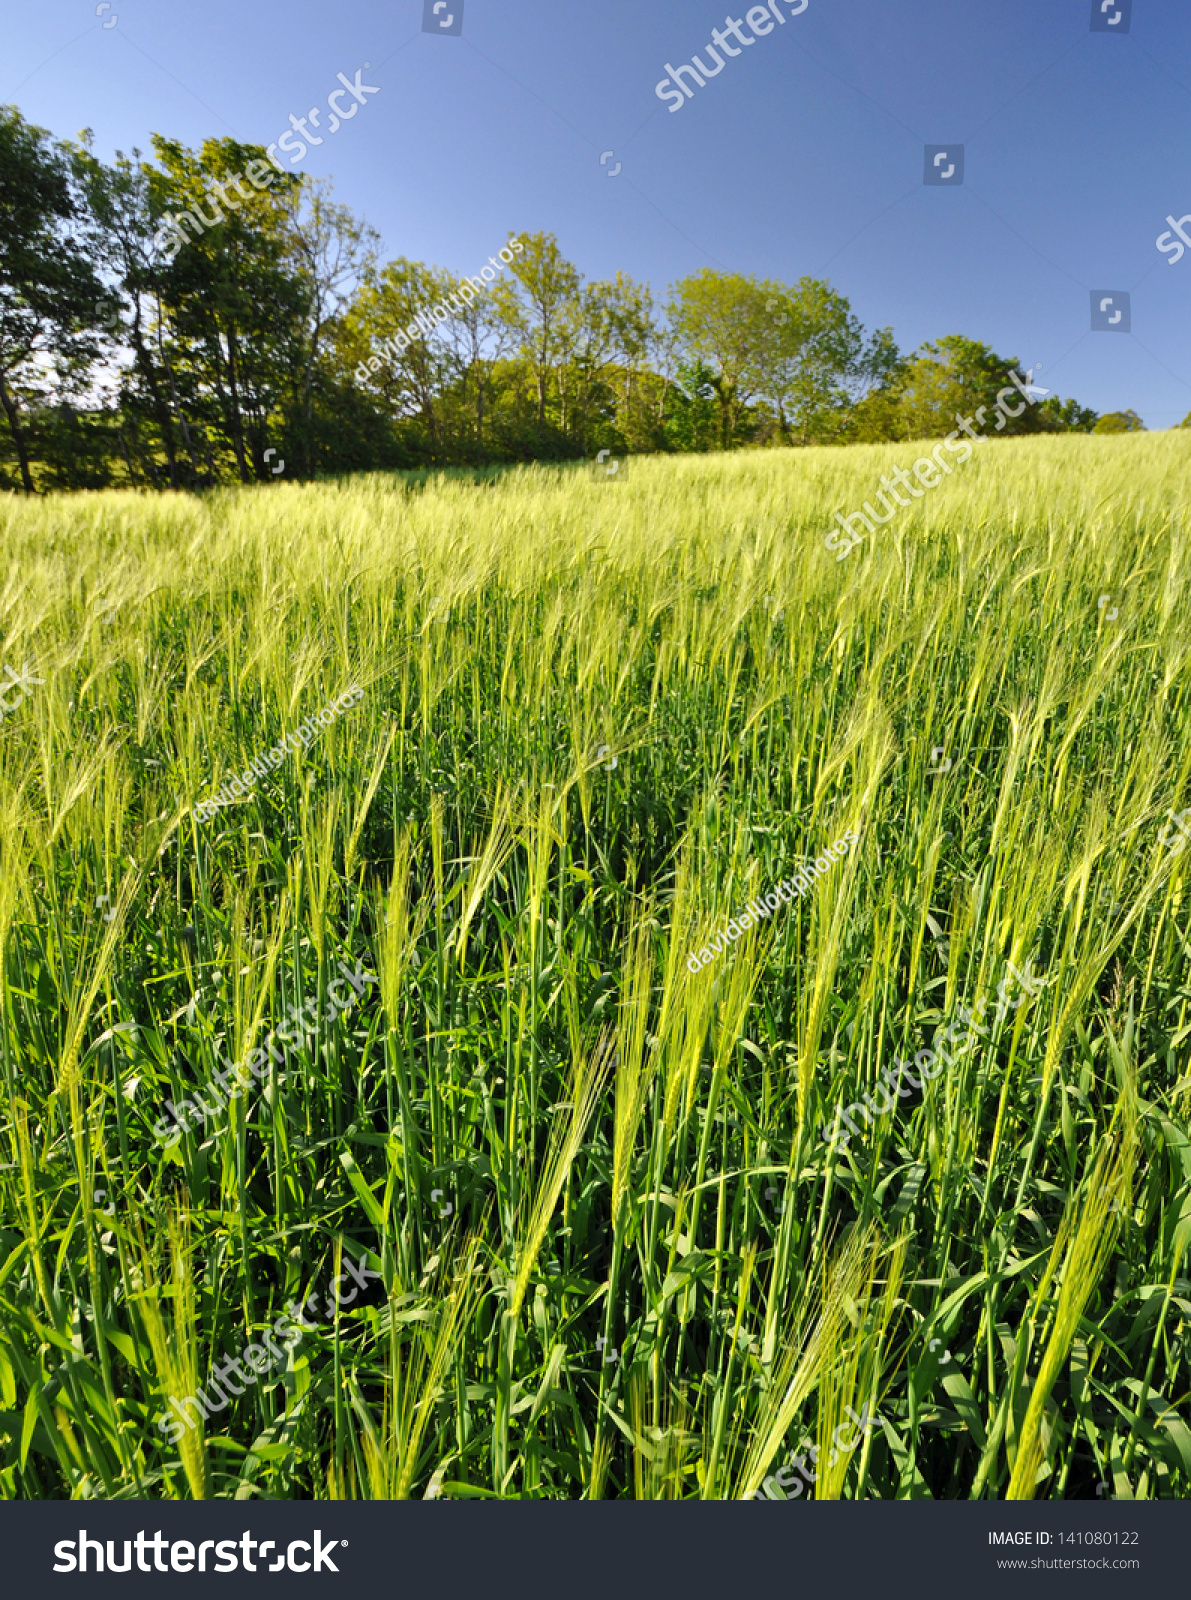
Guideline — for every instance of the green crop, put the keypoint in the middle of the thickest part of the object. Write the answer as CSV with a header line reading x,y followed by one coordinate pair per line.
x,y
618,1258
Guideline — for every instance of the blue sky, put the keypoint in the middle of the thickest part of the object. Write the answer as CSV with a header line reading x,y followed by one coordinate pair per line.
x,y
804,155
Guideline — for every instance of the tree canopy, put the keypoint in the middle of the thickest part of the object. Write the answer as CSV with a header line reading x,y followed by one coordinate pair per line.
x,y
1119,422
197,317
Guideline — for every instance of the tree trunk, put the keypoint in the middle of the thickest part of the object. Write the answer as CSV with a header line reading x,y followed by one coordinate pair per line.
x,y
159,405
237,421
308,444
18,437
127,457
183,424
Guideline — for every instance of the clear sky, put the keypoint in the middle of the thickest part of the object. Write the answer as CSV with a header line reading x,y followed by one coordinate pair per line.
x,y
803,155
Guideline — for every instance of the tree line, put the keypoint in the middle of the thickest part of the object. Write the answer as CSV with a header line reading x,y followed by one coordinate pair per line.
x,y
134,353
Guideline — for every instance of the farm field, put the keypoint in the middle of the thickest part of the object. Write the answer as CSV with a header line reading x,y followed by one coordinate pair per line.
x,y
532,1202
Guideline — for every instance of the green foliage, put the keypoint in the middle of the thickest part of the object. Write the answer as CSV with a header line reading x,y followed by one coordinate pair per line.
x,y
923,396
727,323
693,423
618,1259
1066,416
49,294
1120,422
256,316
236,312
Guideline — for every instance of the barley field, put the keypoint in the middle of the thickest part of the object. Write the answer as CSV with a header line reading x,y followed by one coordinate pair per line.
x,y
589,1229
